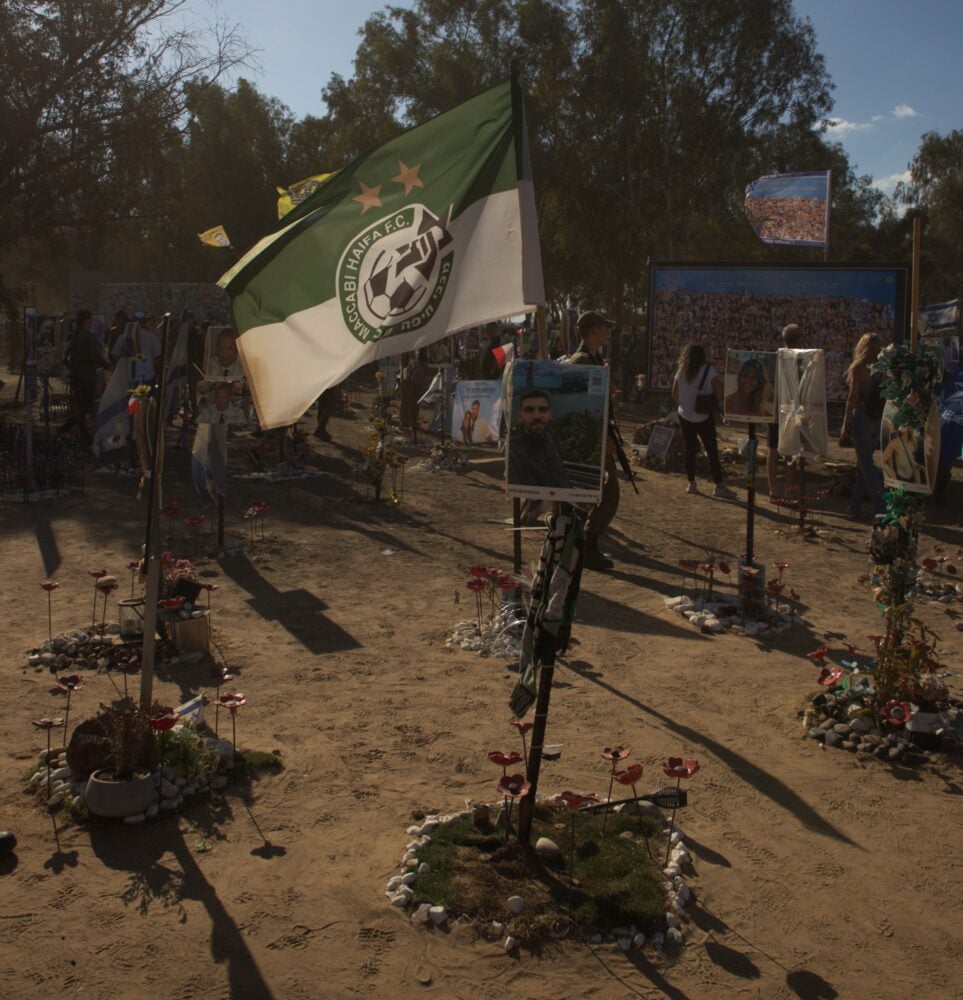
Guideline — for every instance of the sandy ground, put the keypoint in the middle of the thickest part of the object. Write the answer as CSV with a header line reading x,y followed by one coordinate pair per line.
x,y
816,874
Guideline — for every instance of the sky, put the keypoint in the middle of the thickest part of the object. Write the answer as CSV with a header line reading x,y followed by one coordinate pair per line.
x,y
896,66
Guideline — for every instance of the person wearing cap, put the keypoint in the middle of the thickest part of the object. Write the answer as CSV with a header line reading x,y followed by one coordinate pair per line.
x,y
791,337
594,330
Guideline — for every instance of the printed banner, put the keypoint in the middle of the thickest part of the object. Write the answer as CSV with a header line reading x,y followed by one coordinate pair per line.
x,y
790,209
477,414
216,237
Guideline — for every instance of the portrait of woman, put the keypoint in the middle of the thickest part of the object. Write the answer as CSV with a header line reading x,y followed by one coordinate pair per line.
x,y
749,384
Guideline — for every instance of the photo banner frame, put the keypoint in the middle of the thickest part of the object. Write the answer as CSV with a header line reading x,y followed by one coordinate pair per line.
x,y
558,420
476,416
801,392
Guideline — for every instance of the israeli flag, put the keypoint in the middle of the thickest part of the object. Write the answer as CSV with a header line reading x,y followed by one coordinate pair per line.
x,y
209,461
112,423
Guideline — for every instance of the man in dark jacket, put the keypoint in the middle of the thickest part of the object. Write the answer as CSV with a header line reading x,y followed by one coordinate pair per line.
x,y
86,356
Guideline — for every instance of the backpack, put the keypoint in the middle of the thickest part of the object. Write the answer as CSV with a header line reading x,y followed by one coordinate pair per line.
x,y
871,396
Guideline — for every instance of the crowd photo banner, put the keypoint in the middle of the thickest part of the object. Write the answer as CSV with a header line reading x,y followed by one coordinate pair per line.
x,y
750,387
476,417
790,209
557,431
744,307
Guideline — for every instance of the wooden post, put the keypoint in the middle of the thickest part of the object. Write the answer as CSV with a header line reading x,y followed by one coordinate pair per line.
x,y
152,546
915,284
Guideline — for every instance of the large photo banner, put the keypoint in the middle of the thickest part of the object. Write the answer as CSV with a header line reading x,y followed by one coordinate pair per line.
x,y
476,417
744,307
791,209
557,431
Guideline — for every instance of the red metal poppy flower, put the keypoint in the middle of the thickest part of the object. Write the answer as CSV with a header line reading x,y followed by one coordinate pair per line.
x,y
690,564
502,759
507,583
72,682
478,571
951,569
775,587
616,753
476,585
194,520
259,505
522,726
631,775
750,571
679,767
163,718
724,567
929,564
513,785
830,676
221,675
896,713
48,723
106,585
172,511
133,565
96,573
233,701
49,585
780,565
818,655
575,800
876,640
171,603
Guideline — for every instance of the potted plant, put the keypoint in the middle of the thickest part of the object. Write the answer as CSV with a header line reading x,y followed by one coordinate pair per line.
x,y
125,786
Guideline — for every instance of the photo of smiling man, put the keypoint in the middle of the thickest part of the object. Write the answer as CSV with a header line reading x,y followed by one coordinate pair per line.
x,y
534,459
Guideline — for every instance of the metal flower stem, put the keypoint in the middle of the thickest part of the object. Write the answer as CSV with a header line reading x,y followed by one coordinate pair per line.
x,y
508,815
103,624
571,863
524,750
605,815
635,795
217,705
163,736
49,615
48,762
93,613
67,715
234,735
668,843
132,572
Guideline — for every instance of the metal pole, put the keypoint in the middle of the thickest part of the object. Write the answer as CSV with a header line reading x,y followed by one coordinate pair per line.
x,y
915,285
526,809
220,522
152,546
751,499
517,535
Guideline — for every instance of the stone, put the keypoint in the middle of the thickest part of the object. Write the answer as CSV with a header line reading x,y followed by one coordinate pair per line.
x,y
849,745
625,943
827,724
438,915
55,799
113,628
168,790
218,782
516,904
409,879
674,936
413,831
429,826
421,914
861,724
595,939
658,940
671,920
833,739
168,805
393,883
510,944
136,819
842,728
547,848
816,734
152,810
498,927
424,868
398,899
639,940
895,753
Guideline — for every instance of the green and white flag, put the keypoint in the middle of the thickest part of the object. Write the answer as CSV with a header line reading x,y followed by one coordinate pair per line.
x,y
430,233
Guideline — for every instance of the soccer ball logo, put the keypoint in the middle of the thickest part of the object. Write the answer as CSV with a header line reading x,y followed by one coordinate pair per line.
x,y
400,270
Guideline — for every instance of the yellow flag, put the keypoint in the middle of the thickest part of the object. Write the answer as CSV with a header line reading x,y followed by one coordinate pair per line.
x,y
216,237
296,193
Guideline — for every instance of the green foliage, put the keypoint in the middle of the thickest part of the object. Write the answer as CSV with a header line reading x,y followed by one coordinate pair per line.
x,y
579,437
260,762
187,755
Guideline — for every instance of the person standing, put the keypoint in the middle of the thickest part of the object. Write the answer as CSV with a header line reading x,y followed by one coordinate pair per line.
x,y
86,356
862,419
594,331
695,376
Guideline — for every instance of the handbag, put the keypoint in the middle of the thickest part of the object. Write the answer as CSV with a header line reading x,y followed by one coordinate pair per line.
x,y
706,402
845,438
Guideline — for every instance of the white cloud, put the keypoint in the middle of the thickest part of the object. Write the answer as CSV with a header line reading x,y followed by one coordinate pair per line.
x,y
877,118
888,184
839,126
904,111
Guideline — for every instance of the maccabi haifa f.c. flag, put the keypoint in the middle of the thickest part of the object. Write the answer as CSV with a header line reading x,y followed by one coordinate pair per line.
x,y
216,237
791,209
433,232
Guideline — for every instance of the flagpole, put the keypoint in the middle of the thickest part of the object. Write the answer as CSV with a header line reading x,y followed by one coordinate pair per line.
x,y
915,283
152,560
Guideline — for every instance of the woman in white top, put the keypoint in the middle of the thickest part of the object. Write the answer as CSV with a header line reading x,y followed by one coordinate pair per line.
x,y
694,376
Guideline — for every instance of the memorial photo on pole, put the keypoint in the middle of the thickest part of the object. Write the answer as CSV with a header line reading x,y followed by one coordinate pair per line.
x,y
477,413
223,360
909,456
750,387
557,431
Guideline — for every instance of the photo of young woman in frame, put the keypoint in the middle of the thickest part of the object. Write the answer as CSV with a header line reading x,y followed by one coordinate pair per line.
x,y
750,387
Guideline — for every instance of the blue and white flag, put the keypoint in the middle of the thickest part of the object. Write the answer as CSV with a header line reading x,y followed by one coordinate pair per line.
x,y
176,374
791,209
112,423
940,317
209,461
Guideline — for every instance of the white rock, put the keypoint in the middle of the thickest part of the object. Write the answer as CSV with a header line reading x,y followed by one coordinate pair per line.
x,y
639,940
413,831
595,939
399,899
510,944
393,883
546,848
412,845
407,891
676,837
498,927
516,904
135,820
424,868
674,935
625,943
168,805
168,790
55,799
683,893
671,920
429,826
409,879
421,915
672,870
152,810
438,915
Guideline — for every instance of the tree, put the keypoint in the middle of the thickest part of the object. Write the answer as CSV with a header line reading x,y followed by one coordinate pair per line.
x,y
87,87
936,187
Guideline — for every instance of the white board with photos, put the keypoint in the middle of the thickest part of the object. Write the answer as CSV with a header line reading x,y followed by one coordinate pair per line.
x,y
801,391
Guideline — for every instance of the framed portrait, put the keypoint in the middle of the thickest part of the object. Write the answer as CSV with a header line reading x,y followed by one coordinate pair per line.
x,y
222,406
558,416
223,359
909,456
476,416
660,441
49,345
750,387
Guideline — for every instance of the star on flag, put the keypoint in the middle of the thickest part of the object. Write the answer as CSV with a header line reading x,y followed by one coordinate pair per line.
x,y
369,197
408,177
